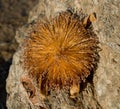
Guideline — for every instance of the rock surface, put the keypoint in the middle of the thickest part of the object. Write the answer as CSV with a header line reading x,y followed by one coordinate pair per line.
x,y
13,14
103,90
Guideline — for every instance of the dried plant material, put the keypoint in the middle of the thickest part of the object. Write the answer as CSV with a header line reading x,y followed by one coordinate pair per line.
x,y
89,19
74,90
93,17
61,52
33,94
28,85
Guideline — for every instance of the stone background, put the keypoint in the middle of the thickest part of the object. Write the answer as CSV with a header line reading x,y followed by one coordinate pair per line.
x,y
13,14
104,92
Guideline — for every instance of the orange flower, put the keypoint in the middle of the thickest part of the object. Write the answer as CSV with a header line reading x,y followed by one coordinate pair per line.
x,y
61,51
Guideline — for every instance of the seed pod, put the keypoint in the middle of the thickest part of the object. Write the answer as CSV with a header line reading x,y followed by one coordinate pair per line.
x,y
61,51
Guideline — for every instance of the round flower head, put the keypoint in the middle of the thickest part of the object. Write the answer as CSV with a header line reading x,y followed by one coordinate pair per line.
x,y
61,51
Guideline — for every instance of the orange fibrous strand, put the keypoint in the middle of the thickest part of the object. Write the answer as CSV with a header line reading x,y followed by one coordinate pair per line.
x,y
60,51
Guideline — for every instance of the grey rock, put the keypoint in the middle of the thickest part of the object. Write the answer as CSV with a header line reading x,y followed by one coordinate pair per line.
x,y
104,92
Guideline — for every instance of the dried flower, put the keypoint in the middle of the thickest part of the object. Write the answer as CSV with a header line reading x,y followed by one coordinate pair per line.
x,y
61,52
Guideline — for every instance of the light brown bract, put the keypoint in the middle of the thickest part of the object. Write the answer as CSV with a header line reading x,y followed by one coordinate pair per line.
x,y
61,52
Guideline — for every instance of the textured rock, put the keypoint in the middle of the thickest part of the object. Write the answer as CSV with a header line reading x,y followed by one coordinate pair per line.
x,y
13,14
101,92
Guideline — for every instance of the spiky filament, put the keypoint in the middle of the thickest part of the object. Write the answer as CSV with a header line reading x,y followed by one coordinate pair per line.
x,y
60,51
